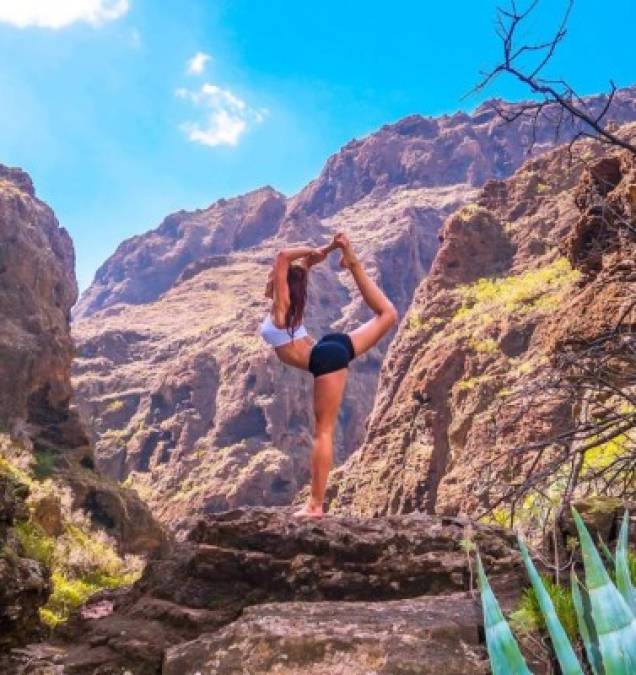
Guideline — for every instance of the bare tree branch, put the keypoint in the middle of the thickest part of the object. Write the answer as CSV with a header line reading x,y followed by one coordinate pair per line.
x,y
551,92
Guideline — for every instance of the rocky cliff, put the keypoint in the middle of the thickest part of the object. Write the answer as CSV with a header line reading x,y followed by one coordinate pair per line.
x,y
37,291
183,400
533,263
50,493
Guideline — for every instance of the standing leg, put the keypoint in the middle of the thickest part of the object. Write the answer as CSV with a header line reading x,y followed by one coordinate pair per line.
x,y
328,390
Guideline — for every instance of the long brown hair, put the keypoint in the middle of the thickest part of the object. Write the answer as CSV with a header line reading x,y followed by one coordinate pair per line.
x,y
297,282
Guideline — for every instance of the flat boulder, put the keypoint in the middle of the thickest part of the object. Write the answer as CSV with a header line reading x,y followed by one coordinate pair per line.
x,y
426,635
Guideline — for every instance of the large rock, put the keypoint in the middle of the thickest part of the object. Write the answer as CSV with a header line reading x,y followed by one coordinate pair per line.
x,y
424,635
183,398
37,291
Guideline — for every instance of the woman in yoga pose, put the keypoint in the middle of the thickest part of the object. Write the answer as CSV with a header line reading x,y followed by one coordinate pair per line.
x,y
327,360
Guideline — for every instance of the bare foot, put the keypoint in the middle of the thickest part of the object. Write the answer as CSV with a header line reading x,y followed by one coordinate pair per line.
x,y
310,511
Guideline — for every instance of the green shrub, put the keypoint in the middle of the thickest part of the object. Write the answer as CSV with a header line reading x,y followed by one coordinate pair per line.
x,y
485,299
35,542
527,618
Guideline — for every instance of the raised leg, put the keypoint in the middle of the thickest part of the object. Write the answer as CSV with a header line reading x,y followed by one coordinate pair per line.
x,y
328,390
366,335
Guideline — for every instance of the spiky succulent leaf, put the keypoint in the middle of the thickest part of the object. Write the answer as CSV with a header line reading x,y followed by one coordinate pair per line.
x,y
503,650
565,654
613,619
623,578
586,625
606,552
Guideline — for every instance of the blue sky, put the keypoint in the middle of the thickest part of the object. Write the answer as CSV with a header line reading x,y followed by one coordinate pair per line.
x,y
97,104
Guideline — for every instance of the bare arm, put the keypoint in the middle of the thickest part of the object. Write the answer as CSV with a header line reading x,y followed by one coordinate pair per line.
x,y
310,257
281,288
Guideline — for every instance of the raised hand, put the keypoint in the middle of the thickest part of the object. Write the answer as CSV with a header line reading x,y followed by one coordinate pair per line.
x,y
349,258
341,240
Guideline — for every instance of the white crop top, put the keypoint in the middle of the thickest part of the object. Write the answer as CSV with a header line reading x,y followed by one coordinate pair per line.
x,y
277,337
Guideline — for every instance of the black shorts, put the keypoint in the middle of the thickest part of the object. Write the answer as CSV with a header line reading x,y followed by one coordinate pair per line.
x,y
332,352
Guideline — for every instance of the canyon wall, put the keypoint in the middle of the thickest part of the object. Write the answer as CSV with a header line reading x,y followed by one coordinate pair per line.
x,y
37,291
183,399
531,265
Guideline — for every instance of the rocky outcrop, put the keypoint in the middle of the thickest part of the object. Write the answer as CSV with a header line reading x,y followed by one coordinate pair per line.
x,y
37,291
532,264
183,399
381,593
423,635
24,583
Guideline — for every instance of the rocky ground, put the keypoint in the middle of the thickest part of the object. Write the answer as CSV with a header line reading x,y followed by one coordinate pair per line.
x,y
183,399
256,590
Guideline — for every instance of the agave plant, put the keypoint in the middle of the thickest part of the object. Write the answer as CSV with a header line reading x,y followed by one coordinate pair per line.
x,y
606,614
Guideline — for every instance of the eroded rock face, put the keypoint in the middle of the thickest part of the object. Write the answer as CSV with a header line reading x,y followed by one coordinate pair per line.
x,y
24,583
385,591
442,432
37,291
182,397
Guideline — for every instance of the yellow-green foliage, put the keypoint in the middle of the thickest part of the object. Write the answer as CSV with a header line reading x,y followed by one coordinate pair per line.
x,y
530,513
486,299
542,187
468,383
468,211
83,564
498,516
82,561
485,346
8,468
504,392
35,542
69,593
604,454
415,322
115,406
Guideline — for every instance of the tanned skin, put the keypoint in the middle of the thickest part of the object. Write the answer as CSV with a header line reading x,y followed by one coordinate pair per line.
x,y
328,388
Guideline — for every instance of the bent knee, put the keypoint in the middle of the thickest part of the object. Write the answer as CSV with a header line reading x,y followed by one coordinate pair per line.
x,y
324,429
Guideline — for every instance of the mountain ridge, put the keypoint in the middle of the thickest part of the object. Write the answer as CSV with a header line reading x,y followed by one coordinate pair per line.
x,y
197,406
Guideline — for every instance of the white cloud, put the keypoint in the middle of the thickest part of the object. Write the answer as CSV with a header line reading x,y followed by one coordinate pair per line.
x,y
226,116
196,65
60,13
